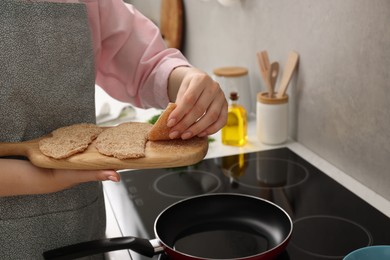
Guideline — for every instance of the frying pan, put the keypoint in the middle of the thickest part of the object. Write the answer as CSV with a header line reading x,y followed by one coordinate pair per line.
x,y
211,226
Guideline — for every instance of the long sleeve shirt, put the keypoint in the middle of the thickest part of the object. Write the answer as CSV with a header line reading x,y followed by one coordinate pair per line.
x,y
132,63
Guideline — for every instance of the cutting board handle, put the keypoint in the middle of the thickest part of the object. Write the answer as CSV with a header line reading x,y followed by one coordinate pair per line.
x,y
13,149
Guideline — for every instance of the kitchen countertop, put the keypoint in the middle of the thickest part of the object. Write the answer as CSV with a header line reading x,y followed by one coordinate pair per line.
x,y
217,149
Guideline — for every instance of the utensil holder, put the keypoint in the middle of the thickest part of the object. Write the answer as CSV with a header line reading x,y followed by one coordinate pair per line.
x,y
271,119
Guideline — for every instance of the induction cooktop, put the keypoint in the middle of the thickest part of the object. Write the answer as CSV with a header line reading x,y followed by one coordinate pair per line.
x,y
329,221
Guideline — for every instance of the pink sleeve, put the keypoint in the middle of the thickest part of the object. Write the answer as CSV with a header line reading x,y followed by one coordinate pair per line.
x,y
131,61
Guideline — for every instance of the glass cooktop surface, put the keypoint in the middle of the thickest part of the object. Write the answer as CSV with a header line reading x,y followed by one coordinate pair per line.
x,y
329,221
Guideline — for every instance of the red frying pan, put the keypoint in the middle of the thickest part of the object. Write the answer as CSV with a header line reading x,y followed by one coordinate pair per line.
x,y
245,227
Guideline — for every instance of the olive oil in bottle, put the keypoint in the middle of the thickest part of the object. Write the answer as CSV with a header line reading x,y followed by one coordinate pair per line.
x,y
235,131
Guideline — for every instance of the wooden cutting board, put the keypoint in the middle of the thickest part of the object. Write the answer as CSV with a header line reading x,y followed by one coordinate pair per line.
x,y
171,22
159,154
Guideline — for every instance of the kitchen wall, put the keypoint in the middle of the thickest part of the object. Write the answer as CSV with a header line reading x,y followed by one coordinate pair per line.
x,y
339,97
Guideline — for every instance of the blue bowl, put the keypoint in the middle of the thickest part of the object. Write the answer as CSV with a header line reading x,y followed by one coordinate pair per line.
x,y
370,253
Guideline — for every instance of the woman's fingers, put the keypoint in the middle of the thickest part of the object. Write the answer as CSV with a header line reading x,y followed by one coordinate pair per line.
x,y
63,178
212,119
201,107
191,90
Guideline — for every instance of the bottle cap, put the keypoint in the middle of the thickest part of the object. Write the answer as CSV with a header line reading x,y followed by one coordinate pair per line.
x,y
234,96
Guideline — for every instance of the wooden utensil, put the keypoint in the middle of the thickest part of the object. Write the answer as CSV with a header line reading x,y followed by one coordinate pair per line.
x,y
171,22
292,61
159,154
272,76
265,59
264,67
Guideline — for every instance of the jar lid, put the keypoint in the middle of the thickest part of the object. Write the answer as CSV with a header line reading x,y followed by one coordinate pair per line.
x,y
230,71
263,97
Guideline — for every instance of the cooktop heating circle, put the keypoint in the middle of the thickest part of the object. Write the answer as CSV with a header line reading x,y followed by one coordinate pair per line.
x,y
268,173
329,237
186,183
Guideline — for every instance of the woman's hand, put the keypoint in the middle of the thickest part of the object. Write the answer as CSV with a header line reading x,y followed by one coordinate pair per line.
x,y
18,177
201,104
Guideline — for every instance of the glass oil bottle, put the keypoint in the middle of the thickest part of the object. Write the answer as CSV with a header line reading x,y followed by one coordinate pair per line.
x,y
235,131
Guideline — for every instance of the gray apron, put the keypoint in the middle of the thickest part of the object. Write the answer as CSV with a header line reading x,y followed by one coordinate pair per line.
x,y
46,81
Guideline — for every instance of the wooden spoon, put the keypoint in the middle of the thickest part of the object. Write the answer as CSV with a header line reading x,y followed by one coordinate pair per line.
x,y
292,61
272,76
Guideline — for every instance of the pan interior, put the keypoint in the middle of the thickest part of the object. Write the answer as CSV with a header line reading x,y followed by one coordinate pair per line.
x,y
222,240
223,227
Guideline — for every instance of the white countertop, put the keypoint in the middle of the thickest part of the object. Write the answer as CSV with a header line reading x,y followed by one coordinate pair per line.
x,y
217,149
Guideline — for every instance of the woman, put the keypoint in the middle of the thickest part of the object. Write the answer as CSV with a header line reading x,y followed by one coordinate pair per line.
x,y
52,53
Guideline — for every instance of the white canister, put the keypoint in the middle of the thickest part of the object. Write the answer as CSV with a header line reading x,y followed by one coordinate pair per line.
x,y
235,79
271,118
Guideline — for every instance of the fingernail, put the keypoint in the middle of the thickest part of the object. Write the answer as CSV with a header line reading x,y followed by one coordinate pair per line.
x,y
174,134
171,122
113,178
186,135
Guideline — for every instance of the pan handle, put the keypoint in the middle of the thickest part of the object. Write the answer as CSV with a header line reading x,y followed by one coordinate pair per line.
x,y
139,245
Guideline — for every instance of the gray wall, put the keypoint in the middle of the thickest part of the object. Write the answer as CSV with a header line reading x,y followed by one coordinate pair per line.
x,y
340,95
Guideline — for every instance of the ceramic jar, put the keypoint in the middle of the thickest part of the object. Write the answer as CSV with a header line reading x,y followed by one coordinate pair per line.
x,y
271,119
